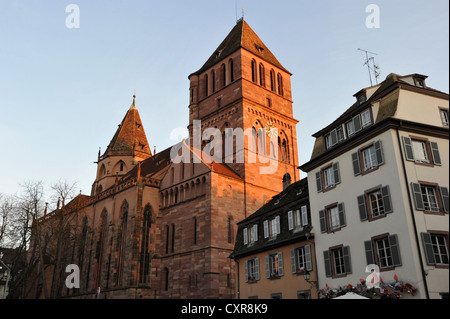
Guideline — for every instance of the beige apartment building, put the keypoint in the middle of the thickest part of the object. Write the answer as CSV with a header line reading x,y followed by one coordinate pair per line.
x,y
274,249
378,188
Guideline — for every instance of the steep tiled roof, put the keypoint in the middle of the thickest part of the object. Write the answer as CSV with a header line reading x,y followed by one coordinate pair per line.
x,y
241,36
130,136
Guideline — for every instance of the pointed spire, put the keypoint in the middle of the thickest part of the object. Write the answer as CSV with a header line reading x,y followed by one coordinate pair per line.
x,y
133,106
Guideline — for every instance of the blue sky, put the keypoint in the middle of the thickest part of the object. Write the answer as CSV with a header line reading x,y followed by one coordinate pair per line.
x,y
64,91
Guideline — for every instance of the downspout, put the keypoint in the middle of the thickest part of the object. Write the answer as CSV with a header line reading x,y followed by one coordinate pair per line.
x,y
411,207
238,285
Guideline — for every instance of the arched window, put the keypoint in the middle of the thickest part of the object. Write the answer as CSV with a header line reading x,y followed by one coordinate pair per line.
x,y
102,171
272,80
100,246
231,67
206,84
261,75
182,199
253,141
167,238
166,199
166,279
144,260
213,80
254,75
280,84
286,180
195,230
186,191
176,196
229,230
173,237
261,141
121,239
224,75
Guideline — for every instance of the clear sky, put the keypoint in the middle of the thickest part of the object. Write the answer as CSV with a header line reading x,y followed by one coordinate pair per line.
x,y
64,91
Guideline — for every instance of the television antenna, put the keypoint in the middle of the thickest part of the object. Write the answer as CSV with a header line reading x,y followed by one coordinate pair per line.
x,y
371,66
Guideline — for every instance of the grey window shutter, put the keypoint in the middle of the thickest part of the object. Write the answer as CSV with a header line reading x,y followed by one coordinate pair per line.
x,y
409,155
255,232
304,210
266,228
417,196
386,196
277,221
244,231
356,165
267,267
290,220
370,258
246,270
337,176
347,262
444,196
323,222
333,135
428,247
280,264
395,250
319,181
327,263
293,265
257,269
379,152
362,207
308,257
435,152
341,214
357,123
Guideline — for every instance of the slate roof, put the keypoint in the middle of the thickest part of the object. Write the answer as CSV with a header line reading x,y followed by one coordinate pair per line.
x,y
387,109
241,36
292,198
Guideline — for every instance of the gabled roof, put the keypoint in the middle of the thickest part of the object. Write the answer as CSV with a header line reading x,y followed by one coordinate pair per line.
x,y
241,36
130,137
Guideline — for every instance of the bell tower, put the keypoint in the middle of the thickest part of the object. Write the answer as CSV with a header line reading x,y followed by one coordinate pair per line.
x,y
128,147
243,86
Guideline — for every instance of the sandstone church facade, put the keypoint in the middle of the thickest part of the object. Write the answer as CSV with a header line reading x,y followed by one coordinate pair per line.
x,y
154,228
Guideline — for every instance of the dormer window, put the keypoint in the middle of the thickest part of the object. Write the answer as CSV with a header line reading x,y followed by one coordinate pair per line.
x,y
419,82
217,53
362,98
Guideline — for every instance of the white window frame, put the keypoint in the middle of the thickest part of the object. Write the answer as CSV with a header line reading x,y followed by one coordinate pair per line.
x,y
369,156
444,117
329,177
366,119
439,249
338,255
334,217
378,200
420,151
384,253
274,265
429,195
350,128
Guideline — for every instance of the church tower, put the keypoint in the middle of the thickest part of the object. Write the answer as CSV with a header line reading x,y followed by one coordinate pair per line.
x,y
244,86
128,147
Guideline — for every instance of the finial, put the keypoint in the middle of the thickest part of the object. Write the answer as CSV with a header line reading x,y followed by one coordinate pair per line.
x,y
133,106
